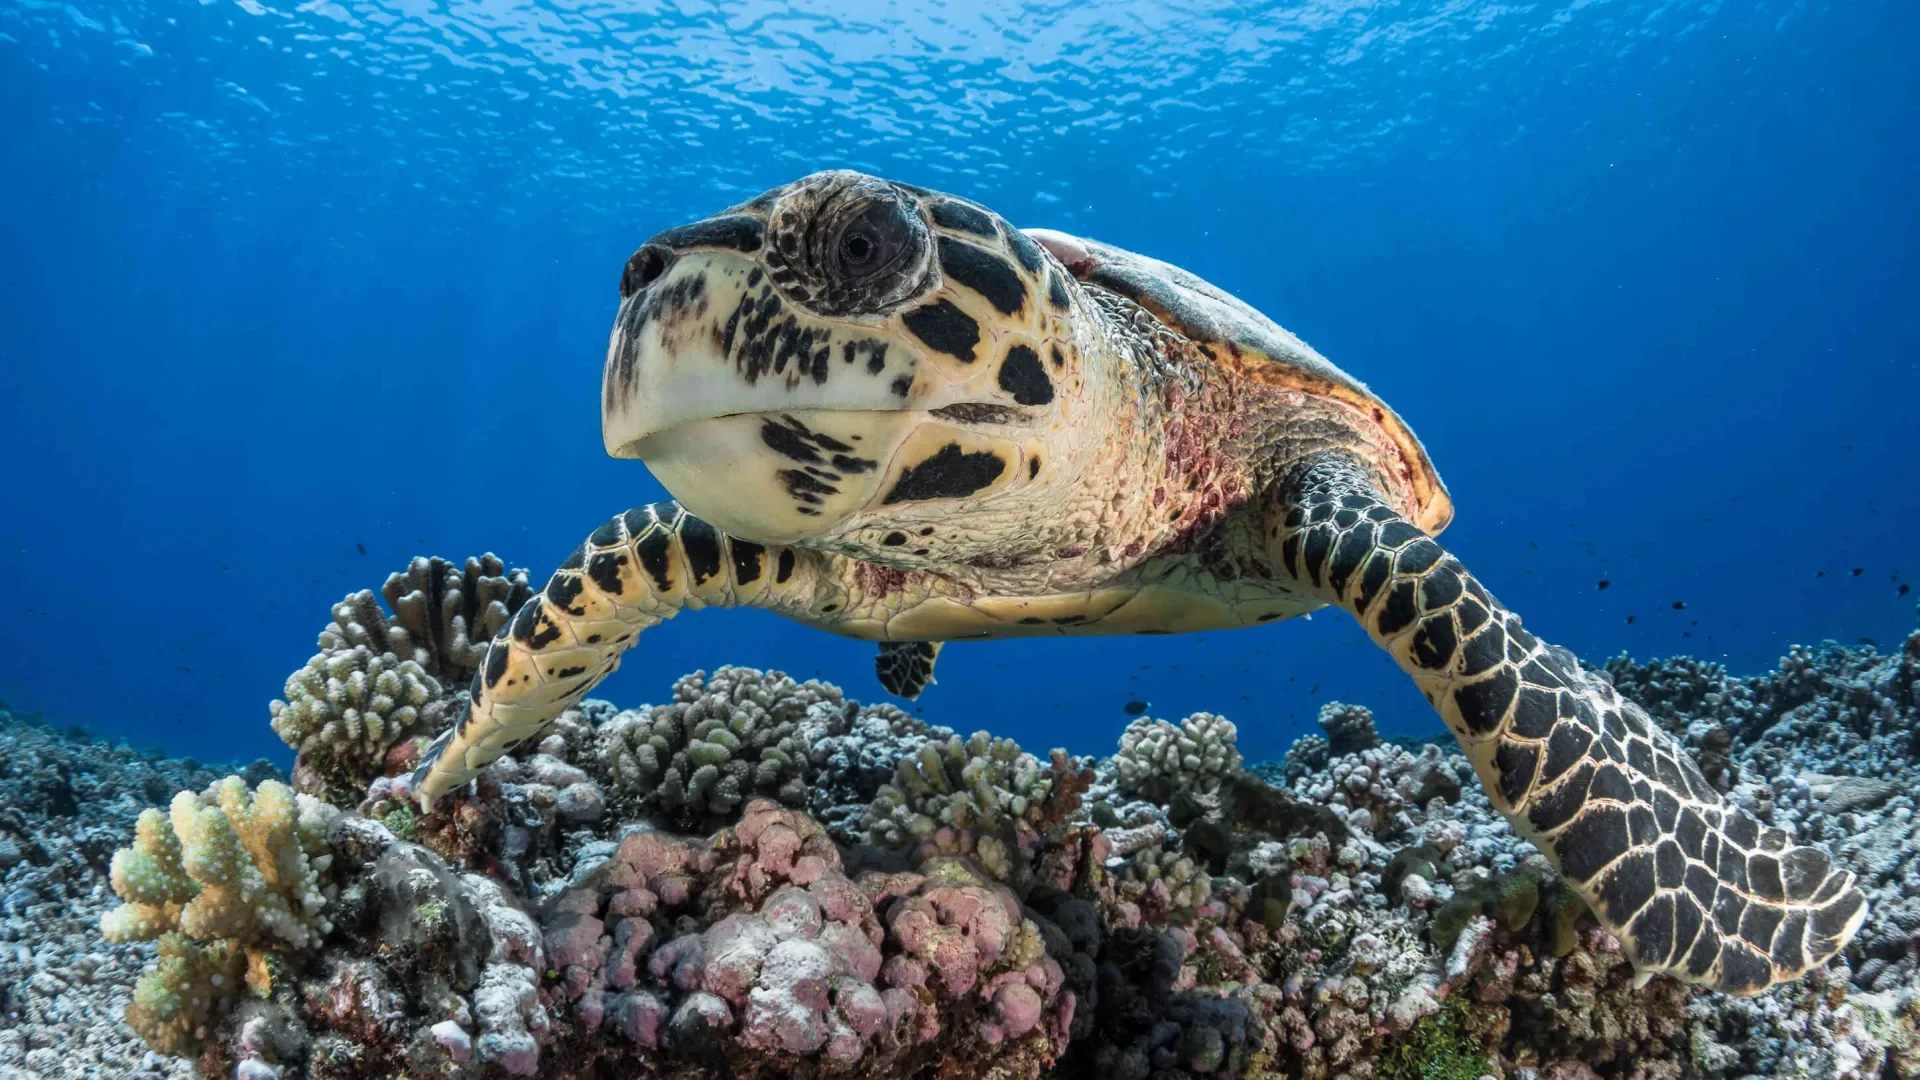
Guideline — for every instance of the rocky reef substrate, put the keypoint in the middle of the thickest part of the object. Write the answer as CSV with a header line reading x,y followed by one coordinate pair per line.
x,y
760,877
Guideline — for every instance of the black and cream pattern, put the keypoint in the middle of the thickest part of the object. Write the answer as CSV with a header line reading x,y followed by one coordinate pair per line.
x,y
1691,885
939,427
635,571
952,312
906,667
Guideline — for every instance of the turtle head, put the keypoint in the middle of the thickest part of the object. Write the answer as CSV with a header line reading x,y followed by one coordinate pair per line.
x,y
847,360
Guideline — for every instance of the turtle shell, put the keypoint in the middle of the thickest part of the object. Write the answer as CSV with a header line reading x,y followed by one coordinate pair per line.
x,y
1236,336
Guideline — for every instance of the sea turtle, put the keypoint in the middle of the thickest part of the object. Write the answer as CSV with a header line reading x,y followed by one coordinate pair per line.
x,y
885,412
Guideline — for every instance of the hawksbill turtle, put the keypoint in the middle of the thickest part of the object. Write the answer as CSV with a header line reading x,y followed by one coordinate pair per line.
x,y
886,413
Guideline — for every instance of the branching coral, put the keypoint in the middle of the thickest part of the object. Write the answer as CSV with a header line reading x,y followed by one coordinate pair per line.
x,y
443,614
1168,886
379,677
1379,790
853,750
180,997
986,788
726,738
226,879
1349,728
1157,759
348,705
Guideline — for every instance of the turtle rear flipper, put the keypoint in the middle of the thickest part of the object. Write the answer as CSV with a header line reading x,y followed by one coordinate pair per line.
x,y
1691,885
906,667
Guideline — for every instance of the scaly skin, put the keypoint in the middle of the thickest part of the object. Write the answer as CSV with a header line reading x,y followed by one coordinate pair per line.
x,y
955,430
636,571
1689,884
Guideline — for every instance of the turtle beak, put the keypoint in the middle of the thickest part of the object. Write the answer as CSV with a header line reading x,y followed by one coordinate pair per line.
x,y
768,422
702,334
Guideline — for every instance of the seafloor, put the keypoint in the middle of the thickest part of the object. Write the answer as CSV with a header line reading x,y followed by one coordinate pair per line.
x,y
762,878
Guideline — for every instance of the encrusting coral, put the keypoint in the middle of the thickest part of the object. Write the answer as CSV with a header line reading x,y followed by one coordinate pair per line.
x,y
865,896
227,879
760,941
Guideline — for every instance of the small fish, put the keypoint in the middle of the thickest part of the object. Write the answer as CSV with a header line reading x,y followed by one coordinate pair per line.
x,y
1905,588
1604,583
1858,570
1315,689
1135,708
1679,605
1869,641
1819,573
361,548
1630,619
188,670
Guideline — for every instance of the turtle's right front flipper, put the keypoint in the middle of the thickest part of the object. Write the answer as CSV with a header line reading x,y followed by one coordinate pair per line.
x,y
637,570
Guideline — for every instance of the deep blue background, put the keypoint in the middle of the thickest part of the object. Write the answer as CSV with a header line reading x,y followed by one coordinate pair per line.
x,y
278,280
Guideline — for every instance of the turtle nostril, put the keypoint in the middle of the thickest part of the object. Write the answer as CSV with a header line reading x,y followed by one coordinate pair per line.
x,y
644,268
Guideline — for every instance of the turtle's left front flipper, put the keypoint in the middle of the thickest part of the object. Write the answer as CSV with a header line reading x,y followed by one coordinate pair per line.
x,y
1691,885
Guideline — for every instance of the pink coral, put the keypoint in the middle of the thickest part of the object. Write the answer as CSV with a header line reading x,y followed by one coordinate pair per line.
x,y
800,961
1016,1011
778,846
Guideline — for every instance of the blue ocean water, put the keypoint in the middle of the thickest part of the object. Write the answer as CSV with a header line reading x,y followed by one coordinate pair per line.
x,y
286,281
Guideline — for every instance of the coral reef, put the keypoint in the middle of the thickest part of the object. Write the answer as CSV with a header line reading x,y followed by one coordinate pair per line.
x,y
1157,759
378,677
852,893
724,739
982,796
67,800
229,880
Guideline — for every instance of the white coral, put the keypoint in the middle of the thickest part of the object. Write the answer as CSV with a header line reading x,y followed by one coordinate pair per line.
x,y
350,704
1157,759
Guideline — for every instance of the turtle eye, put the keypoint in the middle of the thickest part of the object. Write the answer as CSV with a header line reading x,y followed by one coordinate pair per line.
x,y
875,241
